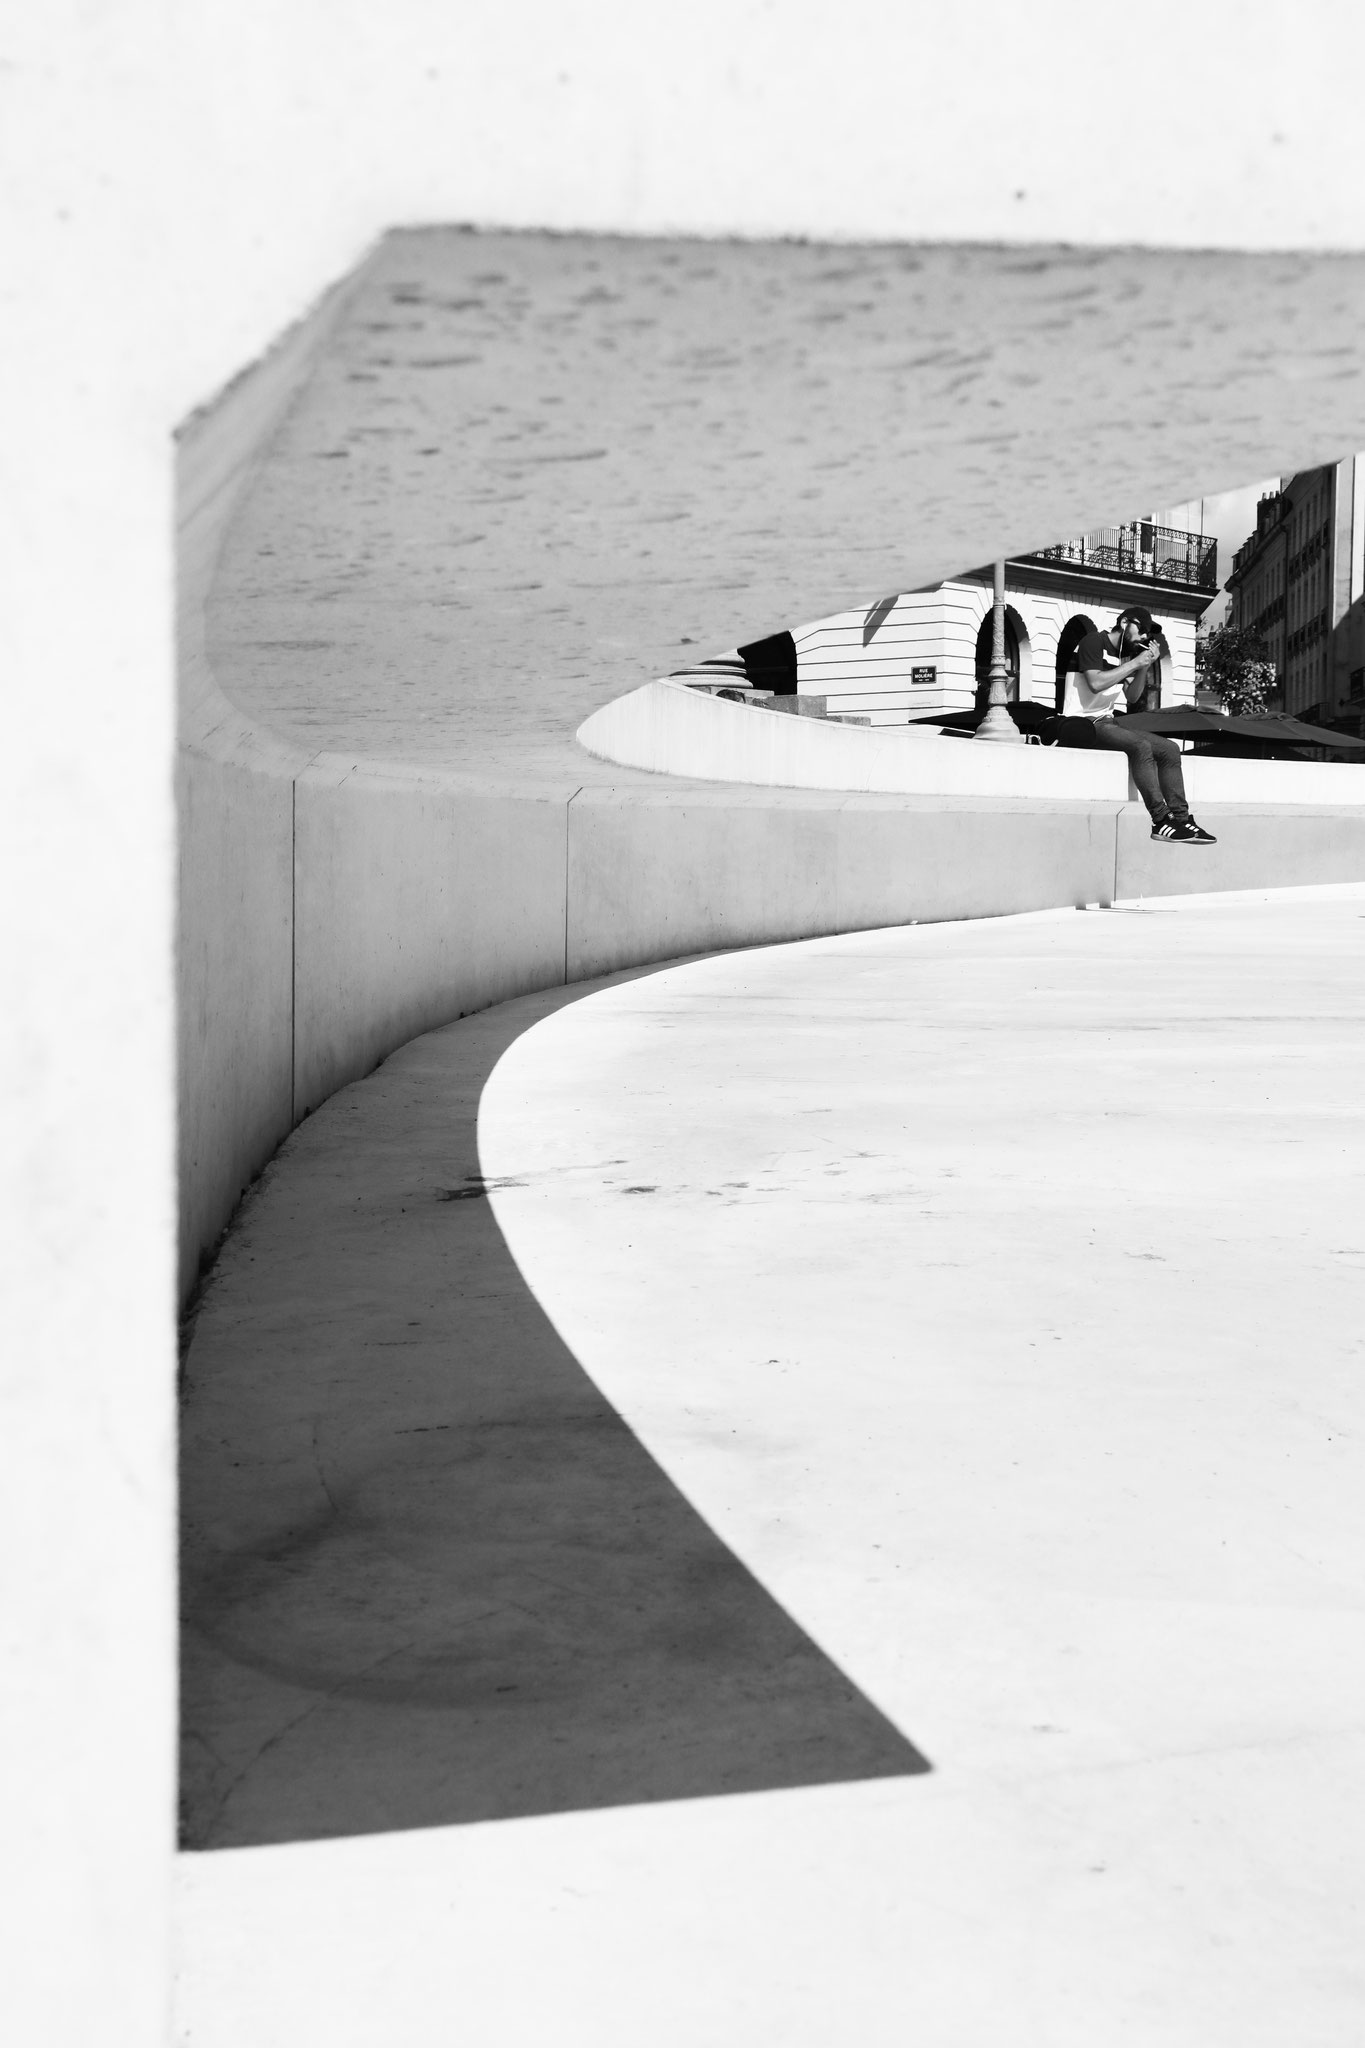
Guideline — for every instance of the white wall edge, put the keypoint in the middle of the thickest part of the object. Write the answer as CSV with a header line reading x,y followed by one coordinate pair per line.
x,y
671,729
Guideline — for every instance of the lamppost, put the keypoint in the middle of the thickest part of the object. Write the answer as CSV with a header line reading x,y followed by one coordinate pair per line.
x,y
997,724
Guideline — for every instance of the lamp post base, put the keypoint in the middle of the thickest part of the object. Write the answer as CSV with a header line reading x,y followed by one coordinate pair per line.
x,y
999,726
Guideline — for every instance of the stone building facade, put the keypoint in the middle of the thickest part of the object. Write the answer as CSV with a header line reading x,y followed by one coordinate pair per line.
x,y
1299,581
1256,586
924,651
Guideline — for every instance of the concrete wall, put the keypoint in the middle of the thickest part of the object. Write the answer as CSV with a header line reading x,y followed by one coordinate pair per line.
x,y
671,873
329,909
414,902
235,813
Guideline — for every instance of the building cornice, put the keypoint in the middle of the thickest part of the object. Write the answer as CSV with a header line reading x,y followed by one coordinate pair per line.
x,y
1156,596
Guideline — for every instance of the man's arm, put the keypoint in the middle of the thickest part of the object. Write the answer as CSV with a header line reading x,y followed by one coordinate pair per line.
x,y
1132,674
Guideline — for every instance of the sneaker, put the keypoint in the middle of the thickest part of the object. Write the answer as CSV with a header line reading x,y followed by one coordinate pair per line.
x,y
1183,831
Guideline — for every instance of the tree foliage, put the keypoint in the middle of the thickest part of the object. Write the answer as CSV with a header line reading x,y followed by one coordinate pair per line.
x,y
1236,663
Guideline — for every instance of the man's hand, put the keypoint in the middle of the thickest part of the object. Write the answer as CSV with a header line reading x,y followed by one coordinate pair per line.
x,y
1137,664
1134,672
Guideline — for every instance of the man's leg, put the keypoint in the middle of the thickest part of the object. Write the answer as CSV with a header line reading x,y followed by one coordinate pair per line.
x,y
1170,775
1141,760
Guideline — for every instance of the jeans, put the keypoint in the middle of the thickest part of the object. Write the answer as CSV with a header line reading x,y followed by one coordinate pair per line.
x,y
1155,764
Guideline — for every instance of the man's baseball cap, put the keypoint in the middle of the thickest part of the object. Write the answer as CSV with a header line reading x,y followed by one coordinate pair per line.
x,y
1141,617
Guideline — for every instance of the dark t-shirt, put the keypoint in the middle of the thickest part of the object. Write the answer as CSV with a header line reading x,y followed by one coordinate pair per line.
x,y
1095,652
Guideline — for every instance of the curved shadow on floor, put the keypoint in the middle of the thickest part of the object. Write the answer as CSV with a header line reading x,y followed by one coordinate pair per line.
x,y
430,1575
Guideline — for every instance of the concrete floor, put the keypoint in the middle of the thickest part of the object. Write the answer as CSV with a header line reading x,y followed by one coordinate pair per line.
x,y
972,1315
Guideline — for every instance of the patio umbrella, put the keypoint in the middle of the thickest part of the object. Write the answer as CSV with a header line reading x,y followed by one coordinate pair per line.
x,y
1268,727
1273,727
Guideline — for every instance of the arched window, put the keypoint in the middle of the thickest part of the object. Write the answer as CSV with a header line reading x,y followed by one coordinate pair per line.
x,y
1016,635
1073,632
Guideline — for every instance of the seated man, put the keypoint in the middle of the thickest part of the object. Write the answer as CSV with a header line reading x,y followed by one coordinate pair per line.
x,y
1112,670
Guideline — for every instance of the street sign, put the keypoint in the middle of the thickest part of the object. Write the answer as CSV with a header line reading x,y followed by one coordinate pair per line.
x,y
924,675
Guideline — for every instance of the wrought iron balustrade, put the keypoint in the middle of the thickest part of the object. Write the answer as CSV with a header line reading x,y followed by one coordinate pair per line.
x,y
1156,554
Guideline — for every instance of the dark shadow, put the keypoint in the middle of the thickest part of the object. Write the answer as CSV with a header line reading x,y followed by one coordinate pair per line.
x,y
430,1575
877,617
770,664
1072,634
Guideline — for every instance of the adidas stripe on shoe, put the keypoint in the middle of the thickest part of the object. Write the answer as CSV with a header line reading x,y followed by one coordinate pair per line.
x,y
1183,833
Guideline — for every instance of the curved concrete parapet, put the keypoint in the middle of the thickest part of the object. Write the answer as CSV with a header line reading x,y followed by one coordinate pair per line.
x,y
335,903
1339,784
235,805
675,730
328,908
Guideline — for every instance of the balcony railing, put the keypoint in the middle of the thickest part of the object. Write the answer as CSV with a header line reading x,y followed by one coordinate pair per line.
x,y
1154,554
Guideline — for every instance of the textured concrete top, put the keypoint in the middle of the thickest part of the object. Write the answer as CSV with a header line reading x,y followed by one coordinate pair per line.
x,y
534,470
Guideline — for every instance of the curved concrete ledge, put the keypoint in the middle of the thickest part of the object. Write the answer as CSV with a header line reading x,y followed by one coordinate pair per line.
x,y
329,909
235,806
673,730
333,907
1340,784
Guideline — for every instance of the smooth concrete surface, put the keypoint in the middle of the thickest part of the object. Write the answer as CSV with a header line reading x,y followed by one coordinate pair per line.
x,y
1259,846
673,730
235,987
414,903
1338,784
991,1292
685,871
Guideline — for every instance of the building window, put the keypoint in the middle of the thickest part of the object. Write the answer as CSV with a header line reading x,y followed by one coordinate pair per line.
x,y
1015,634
